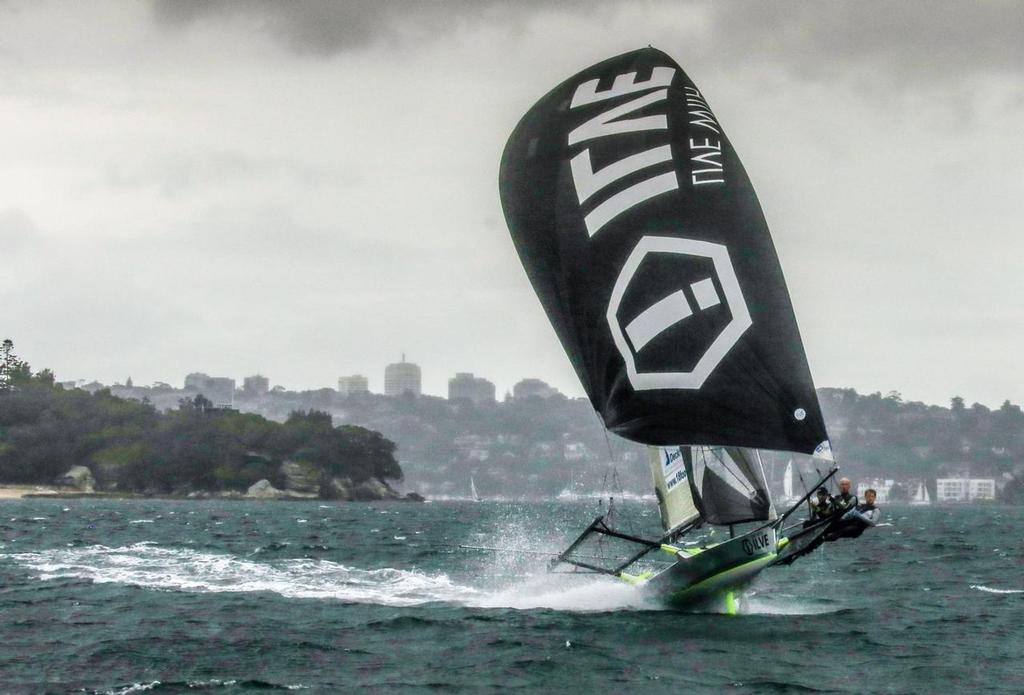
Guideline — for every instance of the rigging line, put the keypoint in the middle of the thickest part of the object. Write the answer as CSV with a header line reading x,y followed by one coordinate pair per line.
x,y
801,476
610,466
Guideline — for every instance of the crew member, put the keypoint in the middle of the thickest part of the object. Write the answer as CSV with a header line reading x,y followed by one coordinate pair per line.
x,y
855,521
821,507
845,500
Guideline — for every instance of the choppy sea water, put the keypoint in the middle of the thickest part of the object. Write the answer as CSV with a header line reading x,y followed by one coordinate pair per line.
x,y
125,596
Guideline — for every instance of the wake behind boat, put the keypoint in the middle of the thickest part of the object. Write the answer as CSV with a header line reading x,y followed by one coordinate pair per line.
x,y
643,238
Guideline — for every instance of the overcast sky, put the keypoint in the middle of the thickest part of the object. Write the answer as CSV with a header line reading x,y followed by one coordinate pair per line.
x,y
309,189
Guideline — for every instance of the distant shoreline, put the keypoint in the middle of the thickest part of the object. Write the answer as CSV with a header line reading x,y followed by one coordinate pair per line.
x,y
18,492
15,492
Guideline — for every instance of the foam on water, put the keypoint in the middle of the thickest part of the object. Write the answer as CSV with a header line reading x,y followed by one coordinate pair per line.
x,y
180,569
757,604
990,590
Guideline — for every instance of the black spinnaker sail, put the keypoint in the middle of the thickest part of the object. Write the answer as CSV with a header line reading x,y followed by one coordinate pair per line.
x,y
647,247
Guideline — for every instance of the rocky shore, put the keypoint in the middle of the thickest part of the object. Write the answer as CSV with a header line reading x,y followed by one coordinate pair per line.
x,y
301,481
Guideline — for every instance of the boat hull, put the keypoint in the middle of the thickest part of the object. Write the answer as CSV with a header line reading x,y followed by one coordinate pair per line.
x,y
711,574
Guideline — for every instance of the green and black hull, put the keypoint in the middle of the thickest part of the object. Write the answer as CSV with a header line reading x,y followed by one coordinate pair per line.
x,y
709,575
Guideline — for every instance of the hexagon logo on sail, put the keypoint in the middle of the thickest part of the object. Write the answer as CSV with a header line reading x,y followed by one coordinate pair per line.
x,y
678,309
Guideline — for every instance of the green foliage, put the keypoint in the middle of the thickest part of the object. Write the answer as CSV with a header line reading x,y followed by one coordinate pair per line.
x,y
886,436
129,446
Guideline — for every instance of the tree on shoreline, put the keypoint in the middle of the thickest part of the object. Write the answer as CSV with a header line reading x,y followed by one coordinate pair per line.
x,y
130,446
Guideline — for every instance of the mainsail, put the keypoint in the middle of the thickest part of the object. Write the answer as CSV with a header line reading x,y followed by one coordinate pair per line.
x,y
647,247
729,485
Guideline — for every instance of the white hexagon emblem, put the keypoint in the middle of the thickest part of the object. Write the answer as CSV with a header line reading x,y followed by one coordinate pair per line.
x,y
674,308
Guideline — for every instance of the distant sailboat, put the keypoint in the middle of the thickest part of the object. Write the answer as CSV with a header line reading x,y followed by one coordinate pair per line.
x,y
569,493
787,482
921,497
473,494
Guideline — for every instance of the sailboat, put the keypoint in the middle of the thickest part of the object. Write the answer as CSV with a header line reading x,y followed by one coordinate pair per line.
x,y
473,494
787,483
921,497
646,245
569,493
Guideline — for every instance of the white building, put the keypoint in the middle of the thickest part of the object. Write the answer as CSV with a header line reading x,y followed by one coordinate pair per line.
x,y
256,385
981,489
964,489
533,387
465,386
219,389
357,383
401,378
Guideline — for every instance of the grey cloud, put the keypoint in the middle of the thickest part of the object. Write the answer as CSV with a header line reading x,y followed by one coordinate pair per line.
x,y
326,27
319,27
893,39
919,39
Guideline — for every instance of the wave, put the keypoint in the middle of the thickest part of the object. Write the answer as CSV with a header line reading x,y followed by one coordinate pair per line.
x,y
180,569
784,605
177,686
990,590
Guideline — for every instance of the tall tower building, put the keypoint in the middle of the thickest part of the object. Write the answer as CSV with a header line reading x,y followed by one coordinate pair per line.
x,y
357,383
402,377
255,385
465,386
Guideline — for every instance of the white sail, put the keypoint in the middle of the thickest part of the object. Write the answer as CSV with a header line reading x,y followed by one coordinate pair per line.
x,y
675,499
787,481
921,496
472,490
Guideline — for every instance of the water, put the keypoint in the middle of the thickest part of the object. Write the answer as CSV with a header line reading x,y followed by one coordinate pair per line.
x,y
227,597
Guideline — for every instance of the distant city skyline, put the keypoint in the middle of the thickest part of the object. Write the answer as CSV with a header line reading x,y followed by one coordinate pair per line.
x,y
309,189
466,383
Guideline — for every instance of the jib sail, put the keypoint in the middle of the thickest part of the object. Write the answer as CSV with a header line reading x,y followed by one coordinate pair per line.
x,y
717,485
671,470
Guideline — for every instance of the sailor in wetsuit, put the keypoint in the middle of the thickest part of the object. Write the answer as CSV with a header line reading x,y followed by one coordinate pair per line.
x,y
821,508
853,522
845,500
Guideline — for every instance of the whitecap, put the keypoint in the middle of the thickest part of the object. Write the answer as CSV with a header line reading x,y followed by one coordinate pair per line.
x,y
184,569
181,569
133,688
990,590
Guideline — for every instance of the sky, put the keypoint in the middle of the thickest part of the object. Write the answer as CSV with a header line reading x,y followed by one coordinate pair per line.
x,y
309,190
